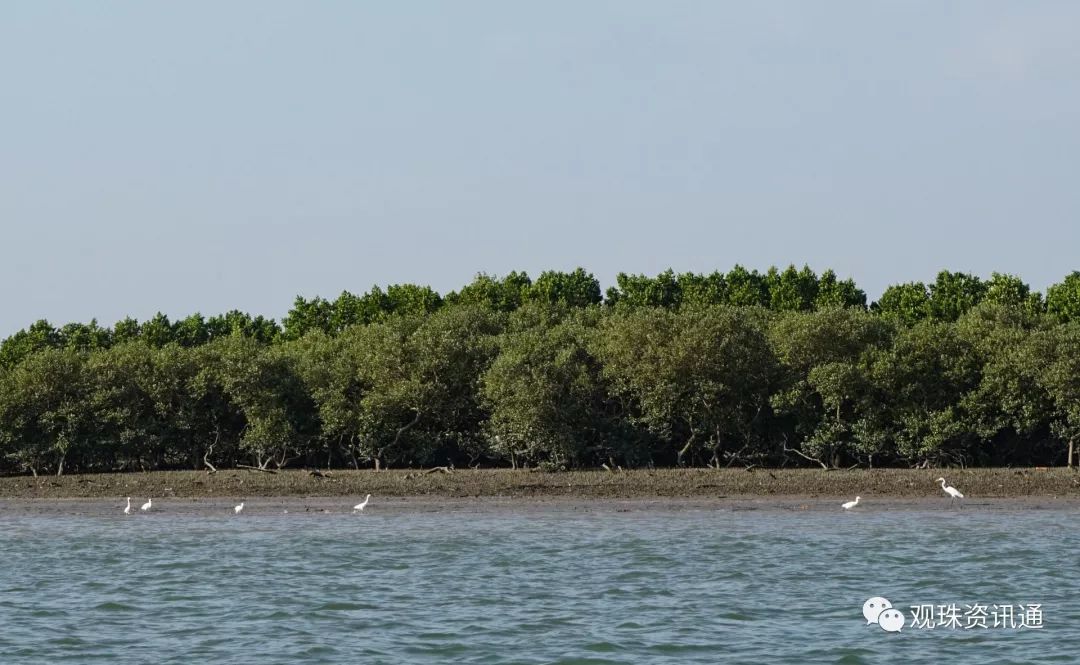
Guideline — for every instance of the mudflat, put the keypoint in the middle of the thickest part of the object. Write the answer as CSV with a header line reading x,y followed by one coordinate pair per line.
x,y
293,507
702,484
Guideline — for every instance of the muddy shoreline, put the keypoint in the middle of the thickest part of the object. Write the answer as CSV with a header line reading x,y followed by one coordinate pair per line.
x,y
504,484
387,507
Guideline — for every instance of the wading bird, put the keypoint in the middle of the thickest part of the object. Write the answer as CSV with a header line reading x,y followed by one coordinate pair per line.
x,y
360,506
127,509
851,504
147,505
237,509
950,490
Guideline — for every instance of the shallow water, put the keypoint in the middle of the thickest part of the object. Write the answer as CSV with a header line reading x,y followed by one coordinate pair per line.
x,y
554,583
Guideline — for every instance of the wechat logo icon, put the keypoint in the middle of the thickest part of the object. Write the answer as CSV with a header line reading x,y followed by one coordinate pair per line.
x,y
880,611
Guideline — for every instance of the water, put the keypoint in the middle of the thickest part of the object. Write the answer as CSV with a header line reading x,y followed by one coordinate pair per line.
x,y
554,583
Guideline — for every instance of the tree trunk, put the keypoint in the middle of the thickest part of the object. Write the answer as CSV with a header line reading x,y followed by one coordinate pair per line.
x,y
685,449
1071,441
717,448
206,457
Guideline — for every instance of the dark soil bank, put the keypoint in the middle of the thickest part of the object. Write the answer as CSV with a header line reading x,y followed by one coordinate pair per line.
x,y
664,483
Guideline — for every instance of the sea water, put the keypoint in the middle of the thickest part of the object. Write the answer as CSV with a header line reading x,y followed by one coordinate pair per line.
x,y
556,582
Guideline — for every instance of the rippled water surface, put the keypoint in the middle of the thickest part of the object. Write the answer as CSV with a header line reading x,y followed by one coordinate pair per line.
x,y
556,583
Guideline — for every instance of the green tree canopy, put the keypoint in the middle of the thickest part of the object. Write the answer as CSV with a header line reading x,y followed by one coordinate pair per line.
x,y
701,377
1063,299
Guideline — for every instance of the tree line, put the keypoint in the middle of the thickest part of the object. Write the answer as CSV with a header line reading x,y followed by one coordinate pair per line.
x,y
738,368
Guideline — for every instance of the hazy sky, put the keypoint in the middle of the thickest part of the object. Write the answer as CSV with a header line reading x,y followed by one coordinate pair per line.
x,y
203,156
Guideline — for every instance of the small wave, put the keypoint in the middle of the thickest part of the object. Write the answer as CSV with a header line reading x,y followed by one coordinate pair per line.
x,y
342,606
440,650
112,606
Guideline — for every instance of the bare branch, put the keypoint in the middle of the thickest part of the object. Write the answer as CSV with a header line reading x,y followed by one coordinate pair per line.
x,y
206,456
434,469
255,468
806,457
402,430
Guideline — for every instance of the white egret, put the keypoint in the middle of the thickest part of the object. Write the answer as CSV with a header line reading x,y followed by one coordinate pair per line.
x,y
146,506
851,504
360,506
237,509
127,509
950,490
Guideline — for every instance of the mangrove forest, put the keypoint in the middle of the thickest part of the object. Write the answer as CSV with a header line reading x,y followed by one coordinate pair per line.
x,y
781,368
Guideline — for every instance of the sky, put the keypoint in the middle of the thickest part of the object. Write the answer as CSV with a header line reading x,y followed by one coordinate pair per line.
x,y
203,156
